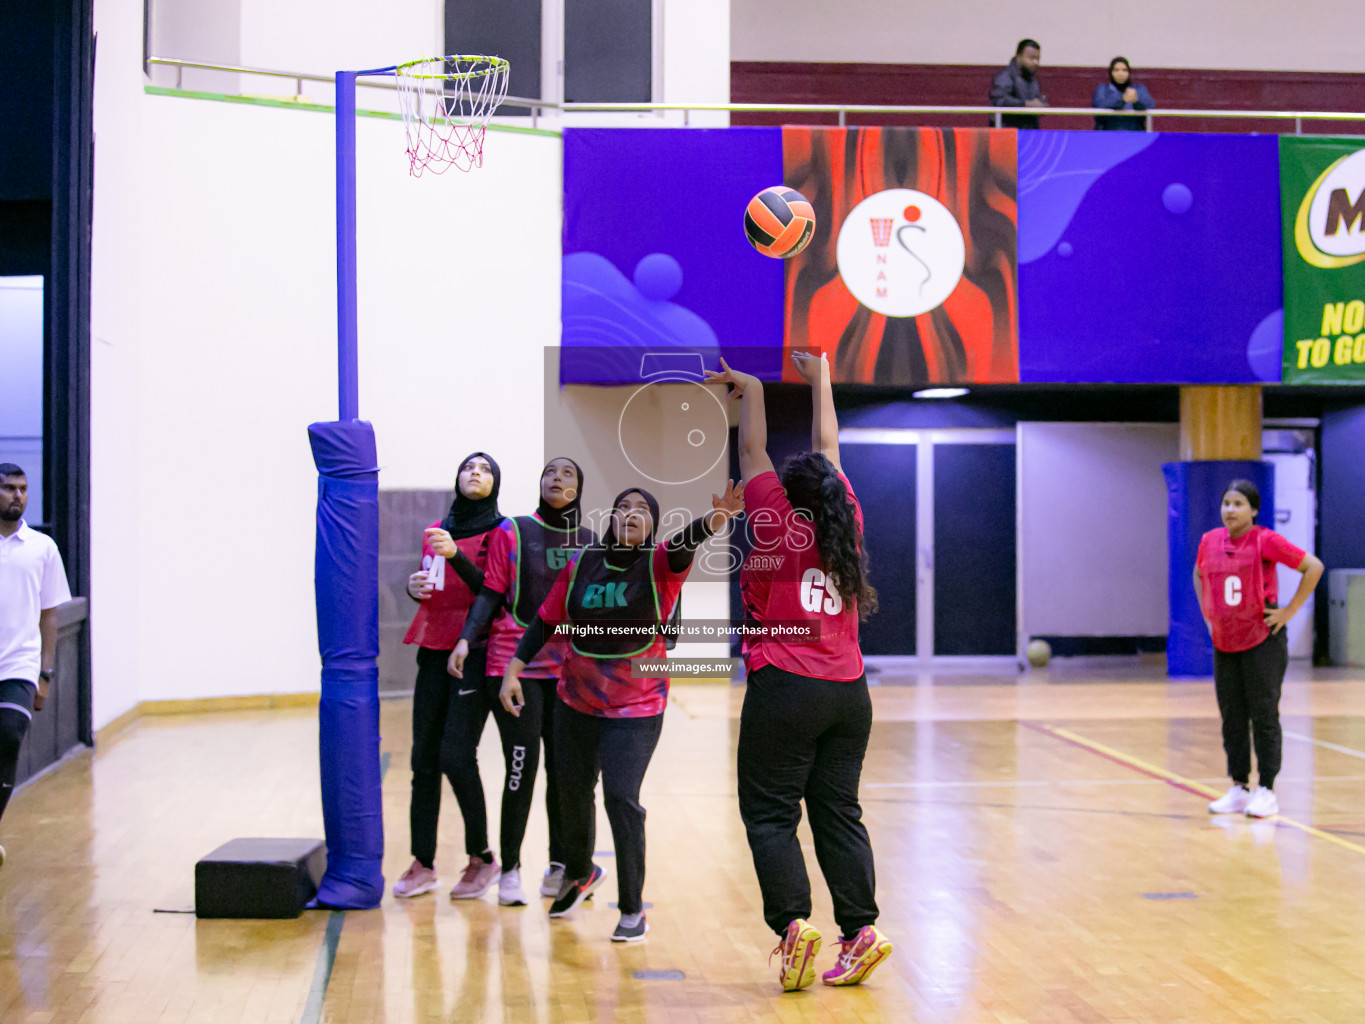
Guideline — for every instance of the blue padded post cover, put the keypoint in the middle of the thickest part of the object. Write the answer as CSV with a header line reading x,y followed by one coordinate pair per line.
x,y
346,578
1194,493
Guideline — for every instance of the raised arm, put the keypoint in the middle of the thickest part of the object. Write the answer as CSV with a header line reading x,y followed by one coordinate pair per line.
x,y
753,424
824,427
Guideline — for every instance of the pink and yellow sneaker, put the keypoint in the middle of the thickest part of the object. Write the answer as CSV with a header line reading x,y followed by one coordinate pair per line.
x,y
799,948
858,957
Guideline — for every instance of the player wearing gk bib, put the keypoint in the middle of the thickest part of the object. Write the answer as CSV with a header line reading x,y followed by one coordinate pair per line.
x,y
1234,576
525,555
614,598
448,716
32,585
807,714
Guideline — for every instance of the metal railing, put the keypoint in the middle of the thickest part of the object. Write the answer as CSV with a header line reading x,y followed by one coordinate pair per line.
x,y
539,107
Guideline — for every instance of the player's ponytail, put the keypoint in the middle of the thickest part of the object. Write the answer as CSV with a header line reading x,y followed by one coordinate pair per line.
x,y
817,492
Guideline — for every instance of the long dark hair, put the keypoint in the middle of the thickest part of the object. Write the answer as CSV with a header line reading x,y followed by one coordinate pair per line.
x,y
815,490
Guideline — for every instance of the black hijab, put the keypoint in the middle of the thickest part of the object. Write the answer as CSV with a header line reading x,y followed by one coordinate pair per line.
x,y
1126,85
471,516
619,556
568,517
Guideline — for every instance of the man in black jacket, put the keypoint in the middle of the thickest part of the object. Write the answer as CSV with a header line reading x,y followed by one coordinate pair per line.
x,y
1017,85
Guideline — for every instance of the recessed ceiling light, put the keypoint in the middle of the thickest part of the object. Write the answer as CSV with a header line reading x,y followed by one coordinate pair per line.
x,y
941,393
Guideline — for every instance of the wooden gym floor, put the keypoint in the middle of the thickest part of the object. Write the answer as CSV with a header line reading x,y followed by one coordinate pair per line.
x,y
1043,853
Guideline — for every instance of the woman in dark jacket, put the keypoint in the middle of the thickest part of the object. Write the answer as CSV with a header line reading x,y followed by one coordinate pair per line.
x,y
1121,93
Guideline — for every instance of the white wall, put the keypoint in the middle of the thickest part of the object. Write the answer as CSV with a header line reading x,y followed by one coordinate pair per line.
x,y
1321,35
1092,537
214,324
324,36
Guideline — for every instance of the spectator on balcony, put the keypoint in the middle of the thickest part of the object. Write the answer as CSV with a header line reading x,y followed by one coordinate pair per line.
x,y
1017,86
1121,93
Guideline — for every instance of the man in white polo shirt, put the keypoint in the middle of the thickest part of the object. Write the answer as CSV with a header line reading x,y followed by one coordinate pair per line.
x,y
32,585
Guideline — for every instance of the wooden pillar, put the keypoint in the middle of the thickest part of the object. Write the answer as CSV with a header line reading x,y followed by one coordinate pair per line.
x,y
1220,423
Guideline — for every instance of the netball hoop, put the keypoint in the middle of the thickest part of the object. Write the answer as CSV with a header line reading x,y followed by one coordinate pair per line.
x,y
446,106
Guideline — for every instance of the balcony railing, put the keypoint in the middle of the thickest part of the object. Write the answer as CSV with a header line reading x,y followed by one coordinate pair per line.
x,y
540,108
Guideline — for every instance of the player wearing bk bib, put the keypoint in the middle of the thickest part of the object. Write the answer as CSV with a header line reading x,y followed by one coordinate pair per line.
x,y
613,599
807,714
525,555
1234,576
448,716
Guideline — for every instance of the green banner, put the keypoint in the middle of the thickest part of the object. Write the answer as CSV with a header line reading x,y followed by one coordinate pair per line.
x,y
1322,192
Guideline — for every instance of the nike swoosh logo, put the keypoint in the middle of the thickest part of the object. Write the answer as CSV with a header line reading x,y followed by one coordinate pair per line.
x,y
464,692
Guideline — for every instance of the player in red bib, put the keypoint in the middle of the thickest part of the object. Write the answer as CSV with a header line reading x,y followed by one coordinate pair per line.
x,y
615,597
807,714
525,556
1234,576
449,717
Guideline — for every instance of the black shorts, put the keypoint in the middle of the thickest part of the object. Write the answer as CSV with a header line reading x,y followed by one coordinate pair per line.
x,y
17,695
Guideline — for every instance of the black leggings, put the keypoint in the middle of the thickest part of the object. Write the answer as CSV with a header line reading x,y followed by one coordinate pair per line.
x,y
521,738
16,711
448,718
1248,686
803,738
620,750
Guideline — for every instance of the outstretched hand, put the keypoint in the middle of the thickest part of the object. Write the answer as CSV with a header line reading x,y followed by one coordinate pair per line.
x,y
737,379
810,366
729,501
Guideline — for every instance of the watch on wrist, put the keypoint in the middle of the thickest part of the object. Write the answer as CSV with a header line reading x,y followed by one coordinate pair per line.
x,y
46,675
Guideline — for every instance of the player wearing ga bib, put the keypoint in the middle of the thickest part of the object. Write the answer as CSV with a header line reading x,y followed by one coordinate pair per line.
x,y
782,581
1234,576
807,714
614,598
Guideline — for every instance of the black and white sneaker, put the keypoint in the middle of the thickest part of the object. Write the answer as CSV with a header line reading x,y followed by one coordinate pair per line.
x,y
631,929
575,891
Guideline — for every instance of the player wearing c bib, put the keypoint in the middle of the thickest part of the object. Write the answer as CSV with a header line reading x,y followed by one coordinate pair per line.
x,y
807,715
448,717
1234,576
615,598
525,556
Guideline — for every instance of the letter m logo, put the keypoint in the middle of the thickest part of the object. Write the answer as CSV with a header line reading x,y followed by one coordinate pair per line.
x,y
1340,210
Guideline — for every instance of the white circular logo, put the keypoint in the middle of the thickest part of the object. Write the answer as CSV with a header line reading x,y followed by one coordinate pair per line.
x,y
901,252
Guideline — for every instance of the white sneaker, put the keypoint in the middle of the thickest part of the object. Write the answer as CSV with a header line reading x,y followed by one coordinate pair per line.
x,y
509,889
1262,804
553,880
1234,801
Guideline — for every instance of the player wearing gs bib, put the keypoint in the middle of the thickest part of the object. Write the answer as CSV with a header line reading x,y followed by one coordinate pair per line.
x,y
1234,576
807,715
448,716
525,555
615,598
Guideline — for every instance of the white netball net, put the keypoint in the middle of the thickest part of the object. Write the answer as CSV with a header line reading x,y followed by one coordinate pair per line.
x,y
446,103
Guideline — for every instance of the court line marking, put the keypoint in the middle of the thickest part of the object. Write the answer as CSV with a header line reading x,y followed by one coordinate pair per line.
x,y
1175,780
322,973
1323,743
1023,783
331,938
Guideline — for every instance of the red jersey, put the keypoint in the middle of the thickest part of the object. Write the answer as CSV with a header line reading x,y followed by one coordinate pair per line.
x,y
1239,581
782,581
440,618
595,676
